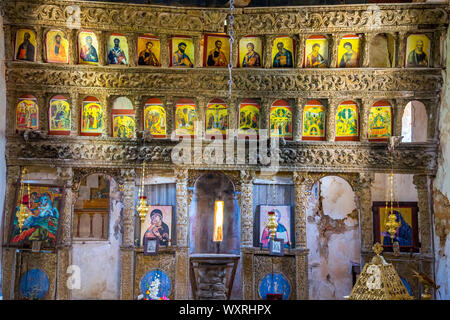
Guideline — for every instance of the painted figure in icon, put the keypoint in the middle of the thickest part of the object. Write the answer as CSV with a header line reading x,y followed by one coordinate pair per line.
x,y
58,51
158,229
347,124
216,57
282,233
249,119
350,58
26,49
88,52
92,118
155,118
185,118
42,222
124,127
59,115
252,58
315,59
403,234
417,57
180,58
283,59
281,122
116,55
216,119
147,57
27,115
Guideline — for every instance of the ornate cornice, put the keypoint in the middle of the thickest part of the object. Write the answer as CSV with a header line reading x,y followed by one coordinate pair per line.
x,y
314,157
260,82
288,20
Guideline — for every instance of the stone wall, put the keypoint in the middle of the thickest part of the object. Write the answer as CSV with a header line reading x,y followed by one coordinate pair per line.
x,y
441,193
2,141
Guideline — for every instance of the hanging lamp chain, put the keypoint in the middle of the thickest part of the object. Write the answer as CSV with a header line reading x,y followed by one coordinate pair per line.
x,y
231,40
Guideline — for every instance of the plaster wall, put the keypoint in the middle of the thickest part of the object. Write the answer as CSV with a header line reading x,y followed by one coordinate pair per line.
x,y
99,261
333,238
404,188
2,141
441,192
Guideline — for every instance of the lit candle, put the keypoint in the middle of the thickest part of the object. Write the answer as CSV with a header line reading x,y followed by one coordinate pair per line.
x,y
218,221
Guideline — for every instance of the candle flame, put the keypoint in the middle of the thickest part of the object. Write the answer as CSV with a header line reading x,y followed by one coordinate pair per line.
x,y
218,221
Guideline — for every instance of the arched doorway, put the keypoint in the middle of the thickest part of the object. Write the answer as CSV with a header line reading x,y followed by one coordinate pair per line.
x,y
333,238
97,237
208,189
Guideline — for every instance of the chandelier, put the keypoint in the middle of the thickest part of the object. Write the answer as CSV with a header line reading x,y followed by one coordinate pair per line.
x,y
142,208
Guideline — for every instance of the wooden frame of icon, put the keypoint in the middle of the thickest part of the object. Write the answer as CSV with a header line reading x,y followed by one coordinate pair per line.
x,y
276,247
151,246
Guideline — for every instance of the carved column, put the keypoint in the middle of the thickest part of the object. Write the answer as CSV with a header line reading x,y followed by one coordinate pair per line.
x,y
165,54
198,63
139,105
401,56
65,175
9,255
424,219
431,107
235,53
335,40
298,116
106,102
268,51
331,119
363,192
182,254
75,107
132,49
201,112
364,111
127,249
169,105
40,47
366,41
398,108
246,207
72,38
265,112
102,38
42,101
300,54
302,188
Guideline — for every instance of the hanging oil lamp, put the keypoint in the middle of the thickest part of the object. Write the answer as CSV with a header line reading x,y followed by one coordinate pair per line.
x,y
142,208
23,213
272,224
391,224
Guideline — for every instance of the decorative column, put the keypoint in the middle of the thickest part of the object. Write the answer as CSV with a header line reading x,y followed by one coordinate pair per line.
x,y
182,253
72,38
424,219
335,40
297,117
106,102
302,188
102,38
267,63
198,63
65,175
300,54
401,38
75,107
431,107
128,177
331,119
265,112
201,112
165,54
398,108
364,110
132,47
139,105
9,254
245,199
363,192
235,54
40,47
366,40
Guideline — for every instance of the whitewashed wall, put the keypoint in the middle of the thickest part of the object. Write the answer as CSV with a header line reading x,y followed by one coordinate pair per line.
x,y
333,239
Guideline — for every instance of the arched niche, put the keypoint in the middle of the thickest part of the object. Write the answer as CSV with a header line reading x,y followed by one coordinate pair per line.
x,y
414,122
155,118
381,51
209,188
59,116
333,238
27,113
281,120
